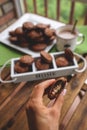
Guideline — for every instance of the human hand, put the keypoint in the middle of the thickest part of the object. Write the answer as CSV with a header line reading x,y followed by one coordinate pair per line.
x,y
39,116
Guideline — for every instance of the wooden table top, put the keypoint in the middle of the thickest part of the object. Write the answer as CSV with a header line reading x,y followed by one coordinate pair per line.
x,y
14,96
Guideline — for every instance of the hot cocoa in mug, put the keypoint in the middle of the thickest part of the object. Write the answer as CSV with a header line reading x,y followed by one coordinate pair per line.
x,y
67,39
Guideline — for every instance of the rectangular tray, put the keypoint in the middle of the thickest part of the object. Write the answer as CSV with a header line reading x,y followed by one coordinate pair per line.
x,y
35,74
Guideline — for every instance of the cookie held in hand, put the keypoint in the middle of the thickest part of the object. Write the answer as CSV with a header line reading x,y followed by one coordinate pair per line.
x,y
57,88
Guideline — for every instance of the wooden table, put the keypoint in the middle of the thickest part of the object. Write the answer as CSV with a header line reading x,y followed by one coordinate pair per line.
x,y
14,96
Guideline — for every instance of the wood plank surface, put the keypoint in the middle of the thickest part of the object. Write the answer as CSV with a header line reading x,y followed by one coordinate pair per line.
x,y
79,119
73,89
16,102
13,99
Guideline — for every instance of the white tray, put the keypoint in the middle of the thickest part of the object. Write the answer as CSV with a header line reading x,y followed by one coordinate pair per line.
x,y
43,74
32,18
53,72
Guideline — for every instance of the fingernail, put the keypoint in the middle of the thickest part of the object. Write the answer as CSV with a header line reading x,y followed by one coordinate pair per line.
x,y
64,92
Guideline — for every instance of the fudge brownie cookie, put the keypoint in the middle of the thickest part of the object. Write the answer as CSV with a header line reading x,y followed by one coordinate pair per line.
x,y
26,59
13,39
49,32
57,87
69,54
12,33
42,26
46,57
61,61
24,64
19,31
24,44
19,68
40,65
34,34
38,47
27,26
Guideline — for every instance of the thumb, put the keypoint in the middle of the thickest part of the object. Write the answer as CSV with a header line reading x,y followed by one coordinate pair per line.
x,y
59,101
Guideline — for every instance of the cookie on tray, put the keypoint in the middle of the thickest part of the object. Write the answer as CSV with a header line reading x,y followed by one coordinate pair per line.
x,y
44,62
40,65
24,64
45,56
61,61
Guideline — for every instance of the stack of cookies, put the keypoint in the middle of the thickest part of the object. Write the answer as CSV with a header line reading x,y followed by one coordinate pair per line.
x,y
24,64
35,37
44,62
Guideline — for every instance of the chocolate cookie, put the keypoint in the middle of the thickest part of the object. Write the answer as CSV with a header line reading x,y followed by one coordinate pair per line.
x,y
69,54
13,39
26,59
27,26
49,32
38,47
12,33
56,88
42,26
40,65
46,57
20,69
24,44
34,34
61,61
19,31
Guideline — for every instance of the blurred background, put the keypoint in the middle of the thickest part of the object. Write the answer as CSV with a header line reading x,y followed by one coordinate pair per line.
x,y
65,5
60,10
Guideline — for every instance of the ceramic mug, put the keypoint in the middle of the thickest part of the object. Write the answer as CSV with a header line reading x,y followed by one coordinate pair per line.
x,y
67,39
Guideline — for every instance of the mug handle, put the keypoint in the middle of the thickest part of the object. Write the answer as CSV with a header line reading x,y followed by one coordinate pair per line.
x,y
85,64
1,69
82,38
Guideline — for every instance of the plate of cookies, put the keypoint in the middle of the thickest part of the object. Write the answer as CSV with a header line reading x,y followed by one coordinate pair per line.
x,y
31,34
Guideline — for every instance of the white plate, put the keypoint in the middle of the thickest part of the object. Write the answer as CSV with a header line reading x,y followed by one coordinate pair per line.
x,y
32,18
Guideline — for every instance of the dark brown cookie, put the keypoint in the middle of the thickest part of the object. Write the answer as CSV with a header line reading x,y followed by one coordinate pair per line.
x,y
13,39
34,34
45,56
20,69
42,26
24,44
40,65
69,54
27,26
12,33
40,39
26,59
19,31
56,88
61,61
49,32
38,47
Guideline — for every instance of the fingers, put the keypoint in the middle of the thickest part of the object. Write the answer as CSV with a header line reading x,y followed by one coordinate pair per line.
x,y
39,89
59,101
